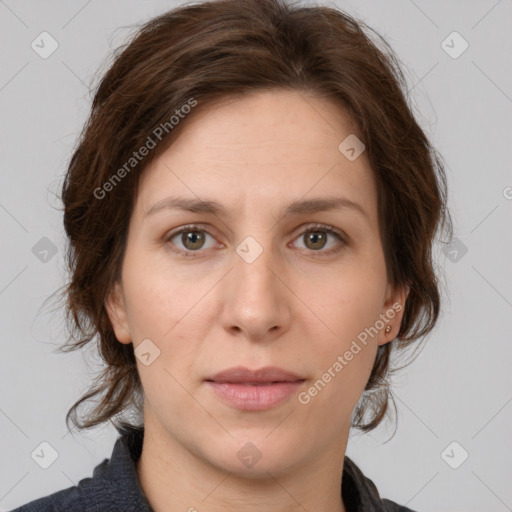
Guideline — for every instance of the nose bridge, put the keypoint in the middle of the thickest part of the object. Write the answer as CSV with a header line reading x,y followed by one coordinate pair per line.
x,y
255,301
253,261
255,251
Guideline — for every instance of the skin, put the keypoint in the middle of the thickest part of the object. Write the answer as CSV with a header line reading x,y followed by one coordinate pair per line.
x,y
295,306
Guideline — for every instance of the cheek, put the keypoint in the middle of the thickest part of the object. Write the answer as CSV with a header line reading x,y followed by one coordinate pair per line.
x,y
342,304
342,309
156,298
164,308
343,366
332,397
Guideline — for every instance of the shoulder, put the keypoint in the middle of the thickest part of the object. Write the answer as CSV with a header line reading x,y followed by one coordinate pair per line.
x,y
84,497
391,506
360,492
114,485
68,499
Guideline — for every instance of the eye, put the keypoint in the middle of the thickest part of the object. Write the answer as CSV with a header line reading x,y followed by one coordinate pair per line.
x,y
192,238
316,237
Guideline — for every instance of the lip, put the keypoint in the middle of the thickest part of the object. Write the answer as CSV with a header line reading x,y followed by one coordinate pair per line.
x,y
254,390
241,374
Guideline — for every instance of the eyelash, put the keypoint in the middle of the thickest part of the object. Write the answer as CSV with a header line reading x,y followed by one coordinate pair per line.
x,y
310,228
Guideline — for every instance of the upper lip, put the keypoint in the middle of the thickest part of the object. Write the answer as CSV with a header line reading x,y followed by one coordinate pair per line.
x,y
243,374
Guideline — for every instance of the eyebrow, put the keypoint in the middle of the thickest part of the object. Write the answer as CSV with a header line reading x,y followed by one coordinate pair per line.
x,y
296,208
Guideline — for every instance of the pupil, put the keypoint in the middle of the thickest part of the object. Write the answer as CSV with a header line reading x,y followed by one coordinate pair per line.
x,y
315,237
194,238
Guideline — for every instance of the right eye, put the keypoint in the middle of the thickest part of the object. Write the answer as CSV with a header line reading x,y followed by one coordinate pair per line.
x,y
192,237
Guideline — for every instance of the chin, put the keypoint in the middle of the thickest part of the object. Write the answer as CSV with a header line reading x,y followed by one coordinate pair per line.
x,y
255,455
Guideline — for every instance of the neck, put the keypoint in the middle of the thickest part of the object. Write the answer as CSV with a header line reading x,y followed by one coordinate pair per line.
x,y
173,477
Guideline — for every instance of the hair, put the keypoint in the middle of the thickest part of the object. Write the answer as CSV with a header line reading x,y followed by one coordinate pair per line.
x,y
203,53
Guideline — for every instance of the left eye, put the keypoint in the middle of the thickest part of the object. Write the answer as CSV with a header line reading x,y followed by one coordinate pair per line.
x,y
193,239
316,238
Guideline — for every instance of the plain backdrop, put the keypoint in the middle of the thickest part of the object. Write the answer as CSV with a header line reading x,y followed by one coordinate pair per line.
x,y
454,401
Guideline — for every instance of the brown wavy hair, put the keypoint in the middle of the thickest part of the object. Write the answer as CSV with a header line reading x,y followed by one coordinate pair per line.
x,y
215,50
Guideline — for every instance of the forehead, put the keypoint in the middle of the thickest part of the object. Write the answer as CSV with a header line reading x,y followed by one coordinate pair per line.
x,y
268,147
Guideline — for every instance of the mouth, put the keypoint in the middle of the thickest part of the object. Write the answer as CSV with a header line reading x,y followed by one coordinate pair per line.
x,y
267,375
256,383
254,390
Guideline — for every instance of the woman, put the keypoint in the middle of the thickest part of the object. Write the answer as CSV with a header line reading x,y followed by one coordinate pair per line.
x,y
251,212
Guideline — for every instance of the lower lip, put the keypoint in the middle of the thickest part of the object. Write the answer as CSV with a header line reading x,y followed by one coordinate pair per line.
x,y
254,398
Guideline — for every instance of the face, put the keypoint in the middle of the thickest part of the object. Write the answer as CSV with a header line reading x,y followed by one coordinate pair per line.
x,y
256,282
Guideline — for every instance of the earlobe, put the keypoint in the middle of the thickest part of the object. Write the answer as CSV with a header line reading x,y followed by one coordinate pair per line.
x,y
393,313
116,310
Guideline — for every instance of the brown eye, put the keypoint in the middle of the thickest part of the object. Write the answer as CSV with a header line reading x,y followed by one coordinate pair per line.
x,y
322,239
192,240
315,239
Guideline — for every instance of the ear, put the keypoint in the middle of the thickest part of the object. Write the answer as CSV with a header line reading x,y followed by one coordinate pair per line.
x,y
393,312
116,310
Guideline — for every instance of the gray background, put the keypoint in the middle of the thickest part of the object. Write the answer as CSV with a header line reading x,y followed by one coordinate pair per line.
x,y
458,389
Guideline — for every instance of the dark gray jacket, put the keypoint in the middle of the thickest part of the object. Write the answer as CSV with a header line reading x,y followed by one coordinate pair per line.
x,y
115,487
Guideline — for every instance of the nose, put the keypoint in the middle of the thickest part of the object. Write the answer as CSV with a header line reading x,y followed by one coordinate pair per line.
x,y
255,298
